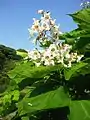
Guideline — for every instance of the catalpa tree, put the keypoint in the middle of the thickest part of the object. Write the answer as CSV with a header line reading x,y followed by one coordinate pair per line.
x,y
52,82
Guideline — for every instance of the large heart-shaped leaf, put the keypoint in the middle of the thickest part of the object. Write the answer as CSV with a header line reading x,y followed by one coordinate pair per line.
x,y
53,99
25,70
80,110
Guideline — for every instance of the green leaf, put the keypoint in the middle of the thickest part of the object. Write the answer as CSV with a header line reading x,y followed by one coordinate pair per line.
x,y
82,43
15,95
7,99
69,72
53,99
73,34
80,110
82,17
25,118
25,70
80,37
86,69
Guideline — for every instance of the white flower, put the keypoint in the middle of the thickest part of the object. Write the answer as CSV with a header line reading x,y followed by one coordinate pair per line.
x,y
35,25
56,27
40,11
46,27
49,62
60,60
52,22
41,29
52,47
88,2
34,55
81,4
47,15
67,56
55,54
79,57
66,47
46,55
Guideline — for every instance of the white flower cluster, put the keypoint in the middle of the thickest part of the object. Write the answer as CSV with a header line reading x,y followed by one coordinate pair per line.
x,y
45,29
85,4
54,54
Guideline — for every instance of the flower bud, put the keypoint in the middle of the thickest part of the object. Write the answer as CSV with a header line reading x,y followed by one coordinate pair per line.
x,y
40,11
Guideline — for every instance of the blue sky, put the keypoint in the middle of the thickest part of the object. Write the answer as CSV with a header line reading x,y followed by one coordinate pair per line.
x,y
16,17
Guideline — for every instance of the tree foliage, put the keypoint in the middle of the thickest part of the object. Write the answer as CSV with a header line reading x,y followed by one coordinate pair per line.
x,y
40,93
